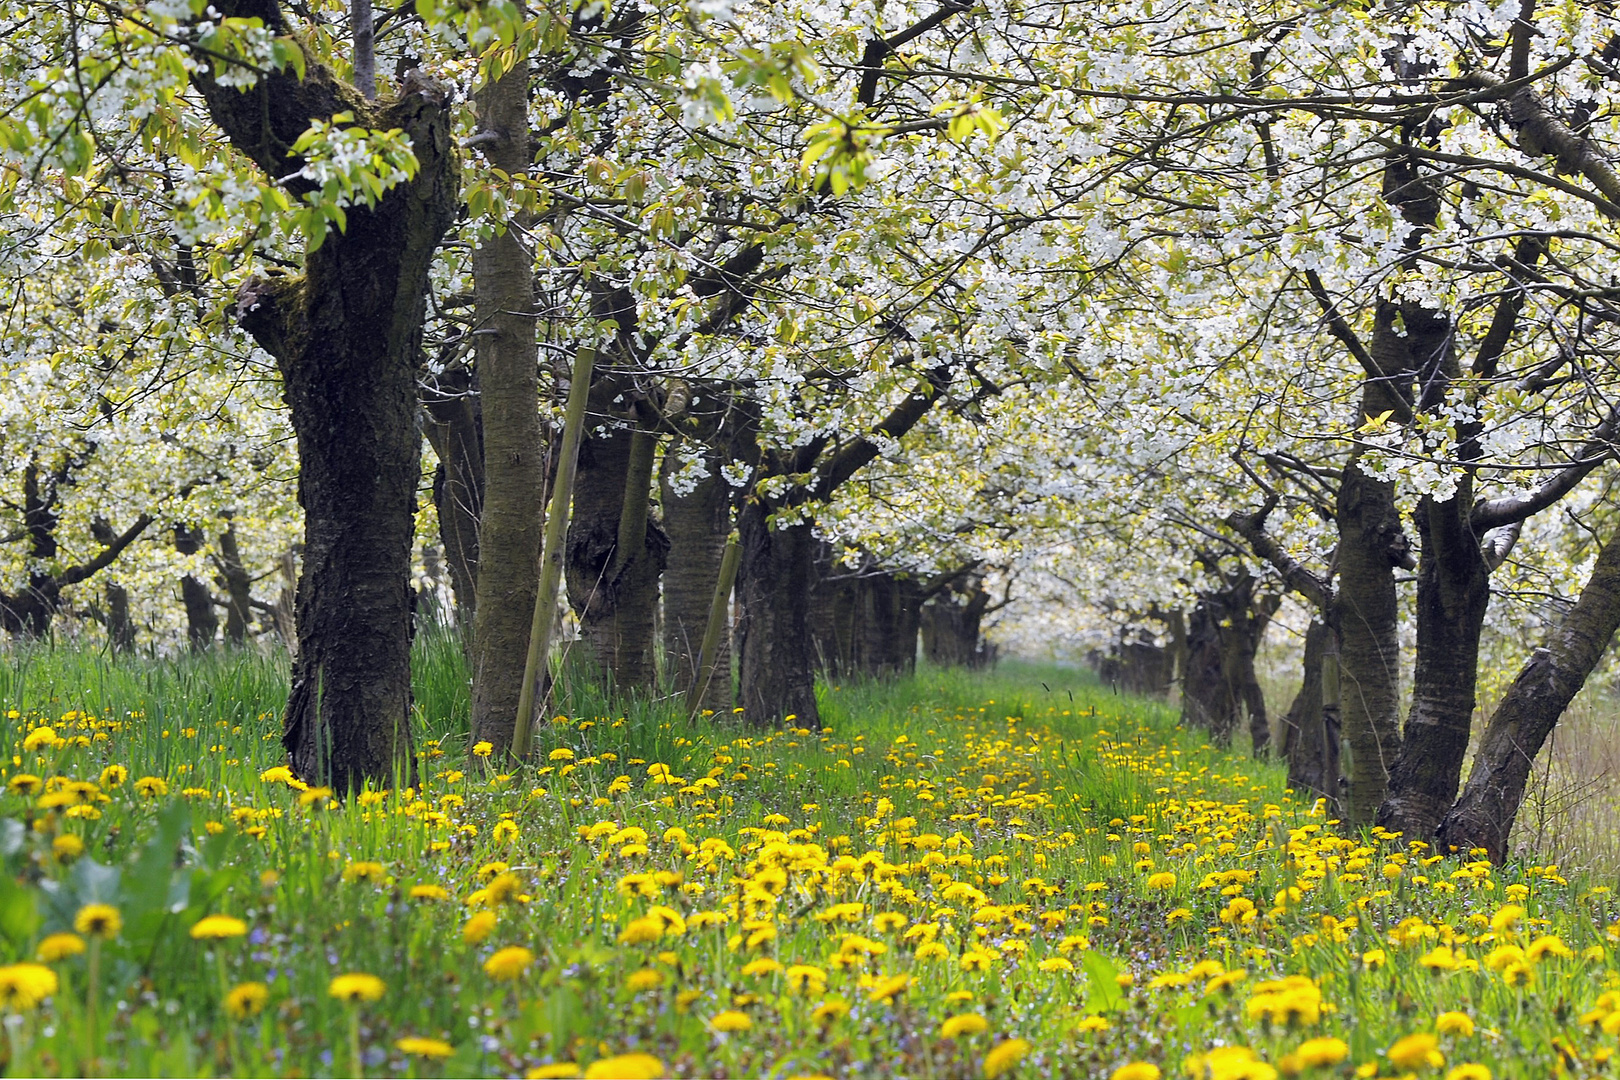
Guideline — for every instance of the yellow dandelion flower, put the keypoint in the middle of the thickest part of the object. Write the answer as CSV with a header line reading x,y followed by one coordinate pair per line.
x,y
1454,1023
1470,1071
112,776
1004,1055
59,947
509,963
478,928
830,1010
1316,1053
24,784
638,982
370,872
556,1071
356,987
24,986
625,1067
246,1000
218,926
483,748
1162,880
1417,1052
152,787
886,989
731,1021
98,920
67,847
429,892
1136,1070
966,1024
419,1046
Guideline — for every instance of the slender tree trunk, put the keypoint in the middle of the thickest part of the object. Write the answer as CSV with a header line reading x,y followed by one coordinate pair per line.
x,y
697,522
1483,817
951,624
1453,591
773,633
455,430
347,337
1205,700
509,524
238,585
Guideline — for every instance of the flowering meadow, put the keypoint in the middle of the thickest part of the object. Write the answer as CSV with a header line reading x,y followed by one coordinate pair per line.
x,y
1020,875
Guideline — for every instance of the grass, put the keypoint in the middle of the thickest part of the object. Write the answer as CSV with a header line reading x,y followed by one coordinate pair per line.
x,y
963,875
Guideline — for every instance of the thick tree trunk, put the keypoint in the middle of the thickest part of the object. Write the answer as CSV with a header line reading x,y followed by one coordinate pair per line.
x,y
455,431
1310,728
1407,339
697,521
1453,591
773,632
238,585
514,468
1483,817
1369,645
1206,701
614,593
347,337
201,622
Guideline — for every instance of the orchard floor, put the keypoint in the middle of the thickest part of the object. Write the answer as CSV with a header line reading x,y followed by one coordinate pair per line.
x,y
1008,875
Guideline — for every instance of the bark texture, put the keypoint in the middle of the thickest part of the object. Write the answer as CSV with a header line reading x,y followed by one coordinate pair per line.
x,y
697,520
613,588
773,633
1483,817
509,525
1310,728
346,335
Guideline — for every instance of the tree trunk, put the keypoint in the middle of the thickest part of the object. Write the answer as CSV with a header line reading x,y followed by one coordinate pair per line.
x,y
509,524
1453,591
614,593
1483,817
1223,636
697,522
1310,728
1369,648
455,431
238,585
773,633
201,622
120,628
347,337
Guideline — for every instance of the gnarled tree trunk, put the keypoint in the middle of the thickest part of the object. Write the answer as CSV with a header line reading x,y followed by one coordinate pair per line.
x,y
238,585
201,622
455,431
346,335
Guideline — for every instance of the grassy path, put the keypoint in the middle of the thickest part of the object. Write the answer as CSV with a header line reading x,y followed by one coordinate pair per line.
x,y
1011,875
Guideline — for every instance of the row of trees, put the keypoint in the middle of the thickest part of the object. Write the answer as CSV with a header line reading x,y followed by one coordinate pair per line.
x,y
1145,317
